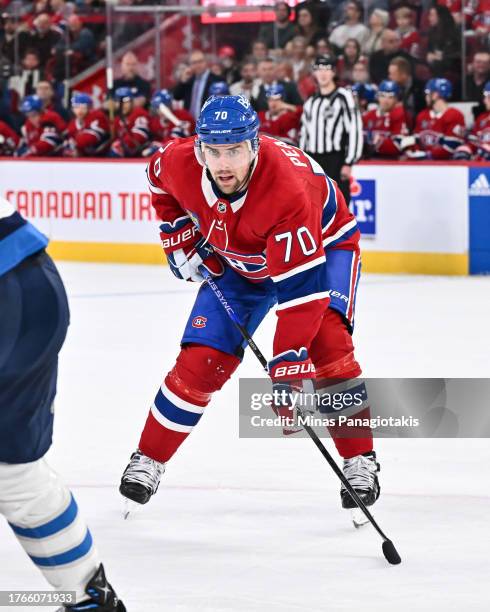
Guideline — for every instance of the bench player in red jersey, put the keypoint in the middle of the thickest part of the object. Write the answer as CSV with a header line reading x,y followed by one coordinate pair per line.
x,y
43,132
477,142
131,126
9,139
384,126
89,130
439,129
265,220
281,120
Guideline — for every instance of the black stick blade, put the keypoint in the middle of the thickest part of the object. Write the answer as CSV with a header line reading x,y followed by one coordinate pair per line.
x,y
391,553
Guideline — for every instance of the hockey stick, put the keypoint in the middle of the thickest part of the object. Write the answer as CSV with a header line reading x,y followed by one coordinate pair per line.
x,y
389,549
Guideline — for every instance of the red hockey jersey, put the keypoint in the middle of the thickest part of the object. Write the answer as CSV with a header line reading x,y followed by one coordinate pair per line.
x,y
8,139
284,126
46,138
479,137
280,228
381,130
162,130
132,132
439,134
89,136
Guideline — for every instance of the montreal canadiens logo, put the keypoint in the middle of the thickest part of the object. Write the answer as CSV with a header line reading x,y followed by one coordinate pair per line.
x,y
221,207
199,322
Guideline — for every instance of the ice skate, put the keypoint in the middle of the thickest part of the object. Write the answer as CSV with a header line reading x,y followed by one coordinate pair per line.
x,y
102,597
361,472
140,480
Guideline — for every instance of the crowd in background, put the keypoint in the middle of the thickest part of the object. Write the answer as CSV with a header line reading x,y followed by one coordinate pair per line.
x,y
406,43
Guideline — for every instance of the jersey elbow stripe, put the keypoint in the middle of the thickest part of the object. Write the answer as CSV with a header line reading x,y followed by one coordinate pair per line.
x,y
306,266
330,206
344,232
304,300
156,190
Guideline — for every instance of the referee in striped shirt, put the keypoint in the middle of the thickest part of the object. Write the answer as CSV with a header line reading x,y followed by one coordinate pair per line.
x,y
331,125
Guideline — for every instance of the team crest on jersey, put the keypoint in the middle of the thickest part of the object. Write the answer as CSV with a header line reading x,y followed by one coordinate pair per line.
x,y
199,322
222,206
194,218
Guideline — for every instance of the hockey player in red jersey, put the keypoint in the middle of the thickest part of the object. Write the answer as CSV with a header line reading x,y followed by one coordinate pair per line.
x,y
263,218
9,139
132,126
167,123
88,131
384,126
477,145
439,129
281,120
43,132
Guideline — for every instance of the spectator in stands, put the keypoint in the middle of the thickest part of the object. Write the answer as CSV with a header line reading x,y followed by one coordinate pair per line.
x,y
195,83
259,50
229,67
131,78
266,74
444,49
378,22
306,24
322,47
351,28
249,84
346,62
61,10
13,35
31,73
46,93
410,37
412,90
78,46
360,73
297,57
45,38
478,76
380,60
277,34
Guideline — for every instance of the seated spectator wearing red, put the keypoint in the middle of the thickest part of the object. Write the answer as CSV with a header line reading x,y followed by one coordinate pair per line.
x,y
43,132
345,63
9,139
477,144
410,38
281,120
166,122
131,126
228,64
89,132
439,129
384,126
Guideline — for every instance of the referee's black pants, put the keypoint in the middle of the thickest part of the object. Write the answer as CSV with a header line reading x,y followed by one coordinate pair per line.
x,y
331,164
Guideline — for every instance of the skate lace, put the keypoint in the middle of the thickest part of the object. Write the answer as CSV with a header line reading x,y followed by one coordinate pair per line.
x,y
360,472
145,471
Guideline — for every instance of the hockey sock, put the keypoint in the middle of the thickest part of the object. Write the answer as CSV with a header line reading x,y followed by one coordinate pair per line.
x,y
180,401
44,516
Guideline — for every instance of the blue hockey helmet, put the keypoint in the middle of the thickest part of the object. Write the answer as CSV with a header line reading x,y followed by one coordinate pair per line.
x,y
31,104
442,87
220,88
389,87
275,91
228,120
486,89
161,97
123,94
365,91
81,98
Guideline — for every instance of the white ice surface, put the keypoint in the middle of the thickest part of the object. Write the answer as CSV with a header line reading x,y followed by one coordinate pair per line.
x,y
256,525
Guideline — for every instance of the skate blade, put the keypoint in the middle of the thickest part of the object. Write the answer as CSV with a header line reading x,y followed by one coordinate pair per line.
x,y
359,519
130,508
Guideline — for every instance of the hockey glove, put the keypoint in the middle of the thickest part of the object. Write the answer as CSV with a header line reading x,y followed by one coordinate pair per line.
x,y
186,250
462,153
291,373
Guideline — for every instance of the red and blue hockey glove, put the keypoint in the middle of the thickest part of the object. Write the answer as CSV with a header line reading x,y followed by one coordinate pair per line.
x,y
289,372
186,250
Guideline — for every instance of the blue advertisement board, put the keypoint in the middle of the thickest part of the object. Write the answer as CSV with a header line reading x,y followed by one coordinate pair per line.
x,y
479,219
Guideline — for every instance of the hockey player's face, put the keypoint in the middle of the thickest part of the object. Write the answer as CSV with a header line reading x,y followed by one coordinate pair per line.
x,y
80,111
228,164
386,102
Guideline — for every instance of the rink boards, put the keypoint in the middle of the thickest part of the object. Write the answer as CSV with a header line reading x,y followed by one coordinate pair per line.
x,y
420,218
